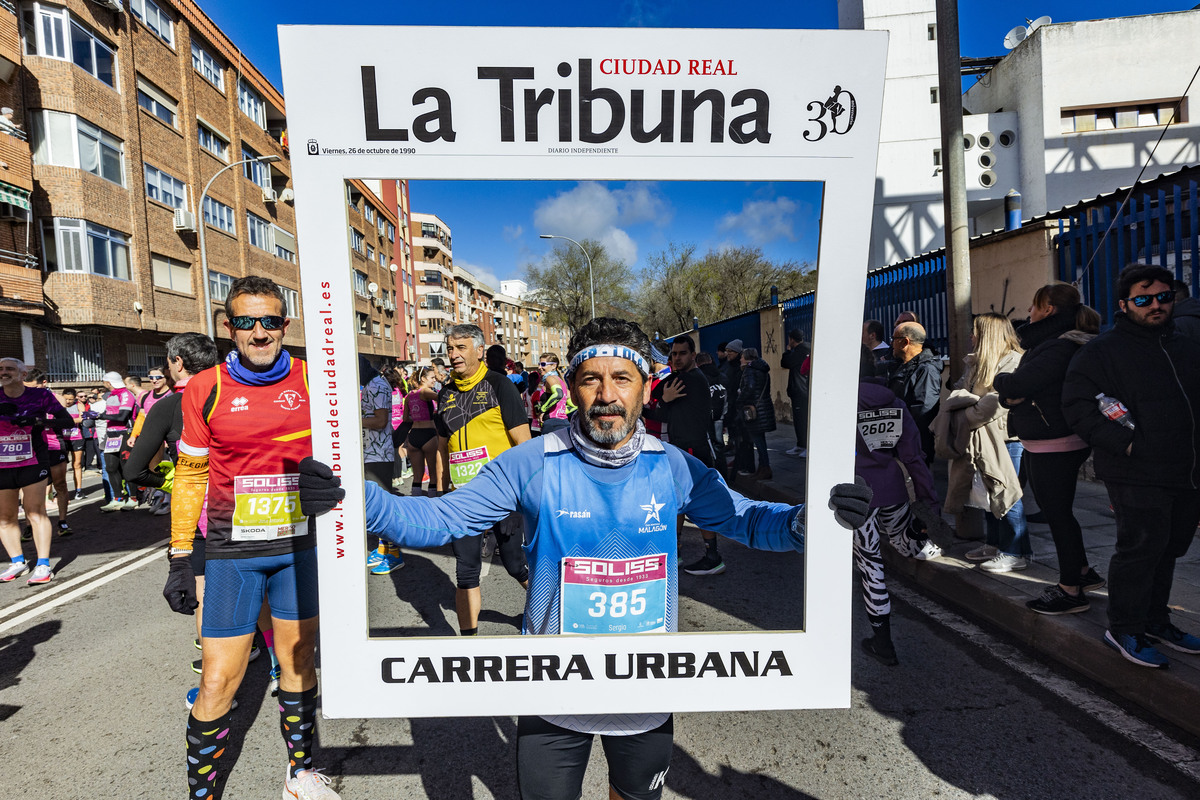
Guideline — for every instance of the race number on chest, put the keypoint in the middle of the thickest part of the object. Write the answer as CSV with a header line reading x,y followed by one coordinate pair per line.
x,y
465,464
14,447
267,507
606,595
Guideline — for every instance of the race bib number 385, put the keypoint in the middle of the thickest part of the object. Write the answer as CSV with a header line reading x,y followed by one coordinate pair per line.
x,y
603,595
267,507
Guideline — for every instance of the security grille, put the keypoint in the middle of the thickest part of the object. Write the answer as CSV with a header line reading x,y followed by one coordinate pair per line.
x,y
144,357
74,357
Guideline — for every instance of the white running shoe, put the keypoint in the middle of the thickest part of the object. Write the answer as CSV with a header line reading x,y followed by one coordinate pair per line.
x,y
928,551
14,571
1005,563
308,785
798,451
41,574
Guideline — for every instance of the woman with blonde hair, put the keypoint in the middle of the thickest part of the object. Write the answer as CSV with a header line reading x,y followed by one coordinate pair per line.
x,y
984,472
1059,324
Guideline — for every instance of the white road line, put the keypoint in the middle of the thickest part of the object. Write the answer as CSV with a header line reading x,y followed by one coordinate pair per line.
x,y
42,594
99,581
1111,716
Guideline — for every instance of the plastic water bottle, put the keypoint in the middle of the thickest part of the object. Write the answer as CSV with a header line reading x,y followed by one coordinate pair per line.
x,y
1115,410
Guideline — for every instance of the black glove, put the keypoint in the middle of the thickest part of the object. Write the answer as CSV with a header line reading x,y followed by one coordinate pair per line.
x,y
320,489
180,590
851,503
28,421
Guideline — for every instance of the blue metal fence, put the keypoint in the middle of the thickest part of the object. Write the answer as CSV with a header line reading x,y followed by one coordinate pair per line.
x,y
1159,225
744,327
918,284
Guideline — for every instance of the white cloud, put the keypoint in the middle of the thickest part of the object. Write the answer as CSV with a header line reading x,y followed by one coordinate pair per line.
x,y
481,272
512,232
592,211
763,221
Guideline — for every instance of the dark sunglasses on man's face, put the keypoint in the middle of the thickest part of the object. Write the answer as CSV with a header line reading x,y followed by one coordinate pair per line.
x,y
1143,300
157,378
271,323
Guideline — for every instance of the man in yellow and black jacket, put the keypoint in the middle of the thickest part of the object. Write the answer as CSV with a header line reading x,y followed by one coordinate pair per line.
x,y
480,414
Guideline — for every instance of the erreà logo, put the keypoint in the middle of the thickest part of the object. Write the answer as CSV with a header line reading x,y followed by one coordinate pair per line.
x,y
239,404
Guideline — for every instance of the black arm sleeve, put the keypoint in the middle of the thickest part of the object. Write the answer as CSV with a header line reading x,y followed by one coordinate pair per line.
x,y
60,420
164,423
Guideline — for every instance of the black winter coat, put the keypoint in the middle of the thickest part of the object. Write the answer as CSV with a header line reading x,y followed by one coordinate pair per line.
x,y
731,377
1155,372
755,390
792,360
1187,317
918,382
1049,346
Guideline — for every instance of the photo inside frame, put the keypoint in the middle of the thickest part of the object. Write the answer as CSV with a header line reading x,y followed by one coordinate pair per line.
x,y
715,261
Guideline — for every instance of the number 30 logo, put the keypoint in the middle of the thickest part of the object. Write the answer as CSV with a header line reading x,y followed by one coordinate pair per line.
x,y
835,115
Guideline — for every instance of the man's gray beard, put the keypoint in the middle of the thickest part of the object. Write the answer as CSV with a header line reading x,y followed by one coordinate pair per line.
x,y
607,433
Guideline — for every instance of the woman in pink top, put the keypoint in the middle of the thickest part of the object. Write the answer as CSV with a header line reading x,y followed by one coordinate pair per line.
x,y
25,412
422,442
1059,324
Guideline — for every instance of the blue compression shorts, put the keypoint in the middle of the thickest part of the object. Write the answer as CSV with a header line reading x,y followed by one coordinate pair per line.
x,y
234,589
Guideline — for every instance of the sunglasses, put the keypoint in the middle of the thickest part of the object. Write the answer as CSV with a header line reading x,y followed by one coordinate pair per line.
x,y
157,378
270,323
1141,301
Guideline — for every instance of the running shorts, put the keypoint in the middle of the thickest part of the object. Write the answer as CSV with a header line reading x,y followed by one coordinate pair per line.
x,y
234,589
74,445
20,477
419,437
551,760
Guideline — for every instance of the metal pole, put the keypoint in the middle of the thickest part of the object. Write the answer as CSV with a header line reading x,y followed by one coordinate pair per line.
x,y
200,228
954,187
591,277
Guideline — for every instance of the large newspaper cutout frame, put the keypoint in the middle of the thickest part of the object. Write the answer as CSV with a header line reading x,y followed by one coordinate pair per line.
x,y
459,103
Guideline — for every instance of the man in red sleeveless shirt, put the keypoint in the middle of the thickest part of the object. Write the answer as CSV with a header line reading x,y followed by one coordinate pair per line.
x,y
245,429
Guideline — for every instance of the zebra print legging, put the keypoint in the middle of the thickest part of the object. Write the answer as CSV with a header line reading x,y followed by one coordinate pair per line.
x,y
894,522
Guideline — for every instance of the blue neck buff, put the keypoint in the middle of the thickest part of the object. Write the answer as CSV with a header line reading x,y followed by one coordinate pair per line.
x,y
278,371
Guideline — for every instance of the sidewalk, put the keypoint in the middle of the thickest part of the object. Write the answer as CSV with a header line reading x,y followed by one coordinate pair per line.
x,y
1073,640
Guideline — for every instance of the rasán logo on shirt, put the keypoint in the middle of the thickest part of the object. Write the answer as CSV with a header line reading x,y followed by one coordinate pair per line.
x,y
239,404
290,400
562,512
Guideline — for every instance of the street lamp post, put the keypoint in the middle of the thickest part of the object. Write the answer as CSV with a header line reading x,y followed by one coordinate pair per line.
x,y
591,277
200,227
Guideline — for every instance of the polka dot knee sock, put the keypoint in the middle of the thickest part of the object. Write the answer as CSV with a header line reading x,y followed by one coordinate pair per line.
x,y
297,720
206,742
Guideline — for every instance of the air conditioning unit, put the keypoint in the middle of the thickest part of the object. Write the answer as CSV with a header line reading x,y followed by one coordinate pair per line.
x,y
8,211
184,220
114,5
269,196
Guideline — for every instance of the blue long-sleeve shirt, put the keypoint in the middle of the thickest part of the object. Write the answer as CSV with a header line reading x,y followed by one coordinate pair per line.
x,y
513,482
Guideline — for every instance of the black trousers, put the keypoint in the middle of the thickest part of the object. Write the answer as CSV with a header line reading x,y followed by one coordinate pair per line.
x,y
1053,478
1155,526
800,420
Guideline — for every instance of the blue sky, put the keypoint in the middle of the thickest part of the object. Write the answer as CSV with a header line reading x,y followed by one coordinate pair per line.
x,y
496,225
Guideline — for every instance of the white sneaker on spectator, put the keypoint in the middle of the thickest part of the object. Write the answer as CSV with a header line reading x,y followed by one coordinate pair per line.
x,y
1005,563
928,550
797,451
984,553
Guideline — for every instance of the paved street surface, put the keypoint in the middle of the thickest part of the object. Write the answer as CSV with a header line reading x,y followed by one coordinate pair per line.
x,y
94,667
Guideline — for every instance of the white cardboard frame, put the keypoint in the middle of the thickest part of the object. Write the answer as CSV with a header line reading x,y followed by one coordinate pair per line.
x,y
816,81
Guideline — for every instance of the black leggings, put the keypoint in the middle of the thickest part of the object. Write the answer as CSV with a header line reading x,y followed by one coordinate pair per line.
x,y
1053,478
469,557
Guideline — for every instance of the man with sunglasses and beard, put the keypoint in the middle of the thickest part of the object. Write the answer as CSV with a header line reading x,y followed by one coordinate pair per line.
x,y
245,430
1146,456
599,490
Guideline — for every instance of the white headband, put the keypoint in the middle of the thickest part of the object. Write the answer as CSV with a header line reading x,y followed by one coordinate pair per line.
x,y
609,350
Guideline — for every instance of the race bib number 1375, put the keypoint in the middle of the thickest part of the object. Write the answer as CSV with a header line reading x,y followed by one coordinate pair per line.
x,y
267,507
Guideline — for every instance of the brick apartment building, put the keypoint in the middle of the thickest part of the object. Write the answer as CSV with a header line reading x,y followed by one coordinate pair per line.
x,y
395,195
375,239
120,118
434,269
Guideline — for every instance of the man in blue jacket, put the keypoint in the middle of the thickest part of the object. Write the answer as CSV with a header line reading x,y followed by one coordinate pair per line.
x,y
601,489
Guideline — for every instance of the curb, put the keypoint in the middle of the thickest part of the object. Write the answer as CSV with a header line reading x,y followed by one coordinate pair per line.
x,y
1072,640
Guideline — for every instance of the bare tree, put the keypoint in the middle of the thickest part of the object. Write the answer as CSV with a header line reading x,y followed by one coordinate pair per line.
x,y
561,283
677,285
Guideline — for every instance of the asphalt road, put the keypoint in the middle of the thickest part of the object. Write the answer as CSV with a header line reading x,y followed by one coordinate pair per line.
x,y
94,668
